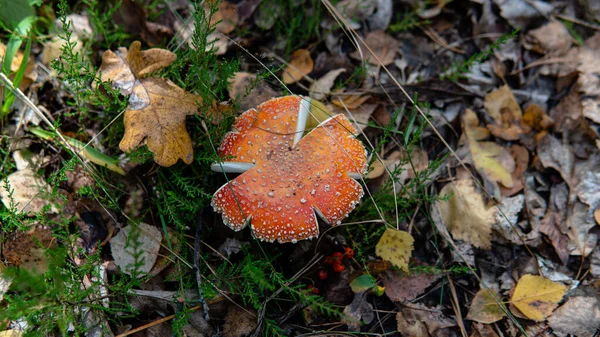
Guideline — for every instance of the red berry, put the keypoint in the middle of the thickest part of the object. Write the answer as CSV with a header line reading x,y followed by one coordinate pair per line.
x,y
322,274
312,289
349,253
338,256
338,266
328,260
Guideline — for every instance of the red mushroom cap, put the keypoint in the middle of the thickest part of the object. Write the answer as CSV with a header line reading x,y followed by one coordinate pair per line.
x,y
286,182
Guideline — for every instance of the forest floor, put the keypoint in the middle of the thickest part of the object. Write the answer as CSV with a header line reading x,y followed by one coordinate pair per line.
x,y
445,180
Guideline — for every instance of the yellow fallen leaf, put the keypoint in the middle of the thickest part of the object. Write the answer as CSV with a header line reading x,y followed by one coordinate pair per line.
x,y
489,158
395,246
301,64
484,308
466,214
536,297
11,333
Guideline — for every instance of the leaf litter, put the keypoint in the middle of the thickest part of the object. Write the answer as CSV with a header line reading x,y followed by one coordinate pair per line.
x,y
523,119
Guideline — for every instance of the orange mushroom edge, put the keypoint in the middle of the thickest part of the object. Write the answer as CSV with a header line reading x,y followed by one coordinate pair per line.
x,y
289,174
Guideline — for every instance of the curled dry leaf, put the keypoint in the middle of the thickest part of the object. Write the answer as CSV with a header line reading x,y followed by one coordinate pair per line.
x,y
489,158
300,65
380,48
157,107
466,214
536,297
395,246
286,177
485,308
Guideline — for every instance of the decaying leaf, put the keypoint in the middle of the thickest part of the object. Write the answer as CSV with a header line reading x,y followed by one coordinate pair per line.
x,y
506,221
239,322
28,250
521,157
382,45
484,308
506,112
157,107
395,246
489,158
135,248
401,287
300,65
423,322
579,316
466,214
357,312
5,282
243,87
286,177
226,18
552,38
536,297
27,192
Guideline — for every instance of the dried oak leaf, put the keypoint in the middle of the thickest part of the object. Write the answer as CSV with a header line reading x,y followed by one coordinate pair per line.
x,y
287,177
536,297
489,158
157,107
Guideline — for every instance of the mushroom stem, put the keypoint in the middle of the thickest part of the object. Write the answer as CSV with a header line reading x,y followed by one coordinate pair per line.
x,y
231,167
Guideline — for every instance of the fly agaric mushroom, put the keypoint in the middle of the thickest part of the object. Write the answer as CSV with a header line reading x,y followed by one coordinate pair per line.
x,y
287,178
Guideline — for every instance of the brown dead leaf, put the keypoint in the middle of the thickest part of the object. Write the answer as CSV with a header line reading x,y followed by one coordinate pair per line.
x,y
350,102
27,250
484,308
536,118
300,65
504,109
383,48
158,120
359,116
579,316
157,107
239,322
259,92
125,66
132,17
226,17
552,38
521,157
489,158
483,330
597,216
322,87
466,214
422,321
402,287
550,226
27,192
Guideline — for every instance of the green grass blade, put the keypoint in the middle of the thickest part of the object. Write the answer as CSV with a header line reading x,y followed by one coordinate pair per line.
x,y
88,152
10,96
